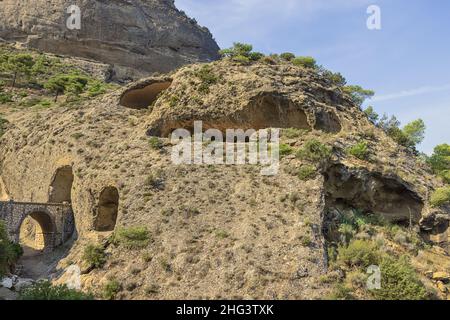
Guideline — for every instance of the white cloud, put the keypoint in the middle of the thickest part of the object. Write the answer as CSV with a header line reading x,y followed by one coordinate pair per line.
x,y
411,92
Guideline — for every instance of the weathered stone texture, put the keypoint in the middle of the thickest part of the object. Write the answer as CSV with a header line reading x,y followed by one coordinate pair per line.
x,y
137,37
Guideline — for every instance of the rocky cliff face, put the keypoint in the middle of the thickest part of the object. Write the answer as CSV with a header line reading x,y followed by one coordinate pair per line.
x,y
137,37
217,231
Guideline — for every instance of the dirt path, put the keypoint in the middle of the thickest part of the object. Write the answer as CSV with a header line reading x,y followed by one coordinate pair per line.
x,y
36,264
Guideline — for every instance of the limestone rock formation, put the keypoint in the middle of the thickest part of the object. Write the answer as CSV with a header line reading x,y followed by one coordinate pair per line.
x,y
138,37
216,231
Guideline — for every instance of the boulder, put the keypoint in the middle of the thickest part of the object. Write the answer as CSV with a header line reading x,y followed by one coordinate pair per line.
x,y
22,283
7,283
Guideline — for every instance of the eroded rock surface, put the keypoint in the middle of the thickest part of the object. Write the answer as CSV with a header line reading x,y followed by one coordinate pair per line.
x,y
137,37
216,231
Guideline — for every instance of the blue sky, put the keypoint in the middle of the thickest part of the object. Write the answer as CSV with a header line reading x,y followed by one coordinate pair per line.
x,y
407,62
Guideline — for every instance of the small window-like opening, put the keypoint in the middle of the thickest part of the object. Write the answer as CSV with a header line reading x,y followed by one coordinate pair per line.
x,y
107,210
144,97
61,185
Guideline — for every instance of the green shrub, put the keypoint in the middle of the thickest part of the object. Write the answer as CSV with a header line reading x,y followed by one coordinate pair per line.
x,y
440,197
238,49
347,232
132,238
44,290
359,150
94,255
445,175
307,172
359,253
10,252
288,56
314,150
307,62
156,143
291,133
111,289
73,84
285,150
5,97
256,56
207,77
335,78
399,281
242,60
30,102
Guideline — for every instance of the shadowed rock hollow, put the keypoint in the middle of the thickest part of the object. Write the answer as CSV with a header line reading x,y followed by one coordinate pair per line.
x,y
216,231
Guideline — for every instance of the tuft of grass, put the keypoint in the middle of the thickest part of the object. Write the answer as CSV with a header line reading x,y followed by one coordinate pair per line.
x,y
156,143
314,151
132,238
292,133
307,172
359,150
111,289
5,97
285,150
155,180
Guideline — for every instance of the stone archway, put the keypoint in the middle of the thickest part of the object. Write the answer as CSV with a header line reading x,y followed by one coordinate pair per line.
x,y
61,186
107,209
38,224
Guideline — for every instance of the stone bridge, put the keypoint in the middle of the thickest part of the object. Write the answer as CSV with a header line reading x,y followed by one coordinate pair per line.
x,y
55,219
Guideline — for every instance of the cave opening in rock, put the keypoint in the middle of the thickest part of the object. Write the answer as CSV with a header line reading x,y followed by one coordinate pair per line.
x,y
327,121
37,232
371,193
61,185
263,112
142,98
106,215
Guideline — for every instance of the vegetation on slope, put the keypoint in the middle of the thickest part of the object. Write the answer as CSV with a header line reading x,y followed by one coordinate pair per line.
x,y
9,251
31,79
365,241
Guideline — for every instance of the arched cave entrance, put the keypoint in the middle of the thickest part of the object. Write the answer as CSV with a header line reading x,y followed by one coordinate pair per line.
x,y
370,193
61,185
264,111
37,232
142,98
106,215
